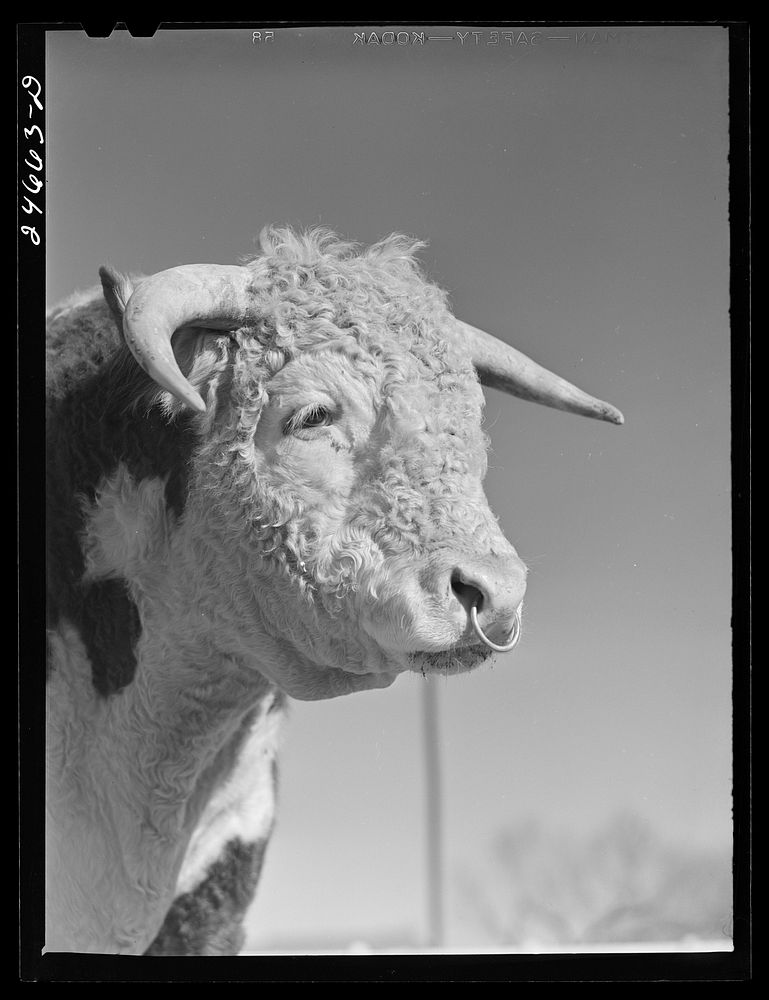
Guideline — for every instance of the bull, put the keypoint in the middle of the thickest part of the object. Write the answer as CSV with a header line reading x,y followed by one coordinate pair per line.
x,y
265,482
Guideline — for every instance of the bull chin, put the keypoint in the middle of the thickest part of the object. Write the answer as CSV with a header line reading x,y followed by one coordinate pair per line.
x,y
447,662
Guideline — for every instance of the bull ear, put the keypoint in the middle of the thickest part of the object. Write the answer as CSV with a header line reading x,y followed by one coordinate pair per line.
x,y
200,359
118,289
188,343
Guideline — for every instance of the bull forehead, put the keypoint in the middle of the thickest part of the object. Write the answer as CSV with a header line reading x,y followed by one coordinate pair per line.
x,y
414,385
432,406
447,405
425,487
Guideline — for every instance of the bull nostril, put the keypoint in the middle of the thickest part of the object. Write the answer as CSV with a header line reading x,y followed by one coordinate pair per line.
x,y
468,595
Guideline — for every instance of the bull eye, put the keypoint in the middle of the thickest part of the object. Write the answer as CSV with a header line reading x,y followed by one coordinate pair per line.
x,y
308,418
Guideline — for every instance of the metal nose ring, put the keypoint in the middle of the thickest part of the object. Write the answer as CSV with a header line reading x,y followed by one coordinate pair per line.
x,y
511,643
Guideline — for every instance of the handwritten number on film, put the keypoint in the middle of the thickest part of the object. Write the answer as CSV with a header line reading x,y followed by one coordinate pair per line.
x,y
33,182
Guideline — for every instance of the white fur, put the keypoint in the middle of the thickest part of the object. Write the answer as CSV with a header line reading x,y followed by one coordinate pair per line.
x,y
241,808
131,776
127,787
127,527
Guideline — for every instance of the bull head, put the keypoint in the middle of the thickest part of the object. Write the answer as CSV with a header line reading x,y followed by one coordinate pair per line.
x,y
360,457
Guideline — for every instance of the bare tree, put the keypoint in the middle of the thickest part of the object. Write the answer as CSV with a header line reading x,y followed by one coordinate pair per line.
x,y
624,883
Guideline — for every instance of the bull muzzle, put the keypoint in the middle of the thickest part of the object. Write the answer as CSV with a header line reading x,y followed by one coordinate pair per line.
x,y
487,596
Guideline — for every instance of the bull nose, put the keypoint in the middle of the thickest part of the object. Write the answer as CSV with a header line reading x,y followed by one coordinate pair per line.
x,y
495,589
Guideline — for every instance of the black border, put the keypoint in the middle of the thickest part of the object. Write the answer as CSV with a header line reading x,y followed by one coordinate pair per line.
x,y
733,966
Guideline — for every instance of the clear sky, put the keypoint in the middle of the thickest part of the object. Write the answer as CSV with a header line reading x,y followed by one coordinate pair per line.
x,y
574,195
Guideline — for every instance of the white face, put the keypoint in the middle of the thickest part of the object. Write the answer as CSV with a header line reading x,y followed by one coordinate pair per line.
x,y
363,534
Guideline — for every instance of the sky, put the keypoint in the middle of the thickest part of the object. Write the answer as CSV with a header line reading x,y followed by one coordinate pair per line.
x,y
573,192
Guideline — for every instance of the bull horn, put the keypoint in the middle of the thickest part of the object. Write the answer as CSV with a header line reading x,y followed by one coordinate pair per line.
x,y
500,366
211,295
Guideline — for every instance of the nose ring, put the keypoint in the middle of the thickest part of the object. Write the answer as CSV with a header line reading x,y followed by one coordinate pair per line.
x,y
515,634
